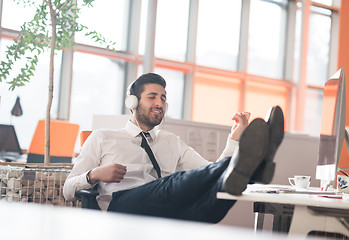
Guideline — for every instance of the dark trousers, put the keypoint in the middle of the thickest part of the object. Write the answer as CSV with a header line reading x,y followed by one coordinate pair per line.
x,y
187,195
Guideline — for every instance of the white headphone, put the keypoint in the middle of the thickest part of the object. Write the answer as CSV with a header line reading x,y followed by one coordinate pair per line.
x,y
131,101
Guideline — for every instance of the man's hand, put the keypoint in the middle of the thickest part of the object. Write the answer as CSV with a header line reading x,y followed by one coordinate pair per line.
x,y
240,123
109,173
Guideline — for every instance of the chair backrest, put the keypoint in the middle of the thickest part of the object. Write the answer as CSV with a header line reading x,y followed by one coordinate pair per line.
x,y
62,142
83,136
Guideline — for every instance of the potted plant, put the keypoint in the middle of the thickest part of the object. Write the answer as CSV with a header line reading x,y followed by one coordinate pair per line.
x,y
52,28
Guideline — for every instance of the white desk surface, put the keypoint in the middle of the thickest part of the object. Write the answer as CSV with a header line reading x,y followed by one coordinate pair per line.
x,y
316,200
35,222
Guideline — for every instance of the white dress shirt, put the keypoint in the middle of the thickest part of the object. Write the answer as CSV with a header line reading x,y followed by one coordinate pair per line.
x,y
122,146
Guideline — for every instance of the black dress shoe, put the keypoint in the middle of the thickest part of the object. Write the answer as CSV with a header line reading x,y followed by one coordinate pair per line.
x,y
265,172
253,146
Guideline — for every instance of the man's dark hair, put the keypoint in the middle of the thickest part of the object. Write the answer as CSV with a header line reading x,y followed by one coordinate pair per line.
x,y
138,86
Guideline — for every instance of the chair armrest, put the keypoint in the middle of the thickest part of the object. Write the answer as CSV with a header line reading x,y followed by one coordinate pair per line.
x,y
88,198
86,193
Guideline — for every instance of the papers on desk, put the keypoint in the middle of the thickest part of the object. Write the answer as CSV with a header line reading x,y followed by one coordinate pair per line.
x,y
286,189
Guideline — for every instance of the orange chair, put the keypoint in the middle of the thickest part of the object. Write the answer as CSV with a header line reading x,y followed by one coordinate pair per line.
x,y
83,136
62,142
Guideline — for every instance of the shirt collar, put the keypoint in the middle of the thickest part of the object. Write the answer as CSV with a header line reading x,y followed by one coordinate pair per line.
x,y
134,130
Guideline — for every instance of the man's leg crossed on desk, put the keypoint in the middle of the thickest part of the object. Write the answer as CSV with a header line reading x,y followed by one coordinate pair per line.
x,y
191,195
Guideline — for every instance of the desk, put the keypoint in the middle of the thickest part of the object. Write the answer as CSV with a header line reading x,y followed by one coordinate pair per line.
x,y
312,212
42,222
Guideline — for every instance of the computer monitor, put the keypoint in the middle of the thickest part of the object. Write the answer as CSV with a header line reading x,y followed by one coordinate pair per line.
x,y
332,129
9,145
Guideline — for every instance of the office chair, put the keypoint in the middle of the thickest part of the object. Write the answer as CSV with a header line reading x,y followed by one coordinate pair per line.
x,y
62,142
83,136
87,196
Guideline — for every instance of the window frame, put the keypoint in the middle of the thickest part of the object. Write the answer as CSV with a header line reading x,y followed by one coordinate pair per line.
x,y
297,90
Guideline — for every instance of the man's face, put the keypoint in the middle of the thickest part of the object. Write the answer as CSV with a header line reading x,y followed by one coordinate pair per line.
x,y
151,106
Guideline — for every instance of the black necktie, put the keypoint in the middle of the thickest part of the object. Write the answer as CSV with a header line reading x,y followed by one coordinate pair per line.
x,y
147,148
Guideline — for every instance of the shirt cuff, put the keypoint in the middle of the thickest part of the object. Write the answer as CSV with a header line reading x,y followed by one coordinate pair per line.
x,y
229,148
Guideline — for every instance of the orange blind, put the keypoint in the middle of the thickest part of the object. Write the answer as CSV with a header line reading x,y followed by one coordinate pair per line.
x,y
215,98
260,97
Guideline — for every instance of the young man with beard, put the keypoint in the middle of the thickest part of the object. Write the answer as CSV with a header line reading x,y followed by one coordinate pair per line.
x,y
179,183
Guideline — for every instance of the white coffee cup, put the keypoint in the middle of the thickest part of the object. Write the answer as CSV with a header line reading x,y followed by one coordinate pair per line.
x,y
300,181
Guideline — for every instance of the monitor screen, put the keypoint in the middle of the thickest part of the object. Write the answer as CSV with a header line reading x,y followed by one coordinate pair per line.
x,y
332,128
8,139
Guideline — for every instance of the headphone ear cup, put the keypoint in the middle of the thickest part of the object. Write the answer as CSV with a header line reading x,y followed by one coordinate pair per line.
x,y
131,102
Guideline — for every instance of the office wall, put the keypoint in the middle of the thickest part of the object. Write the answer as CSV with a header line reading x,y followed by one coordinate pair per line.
x,y
343,61
343,53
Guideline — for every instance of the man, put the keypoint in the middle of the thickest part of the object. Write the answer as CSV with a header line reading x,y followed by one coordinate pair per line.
x,y
179,183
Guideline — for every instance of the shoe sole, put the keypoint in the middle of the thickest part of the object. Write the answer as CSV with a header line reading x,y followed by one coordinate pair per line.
x,y
275,122
253,146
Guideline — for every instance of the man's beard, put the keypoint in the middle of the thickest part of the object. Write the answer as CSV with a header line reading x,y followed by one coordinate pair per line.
x,y
145,117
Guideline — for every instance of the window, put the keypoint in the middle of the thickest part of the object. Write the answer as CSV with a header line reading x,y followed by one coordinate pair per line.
x,y
269,94
144,15
33,95
297,46
109,19
266,41
175,90
317,67
218,34
16,14
312,115
229,56
216,98
171,29
326,2
98,84
318,46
